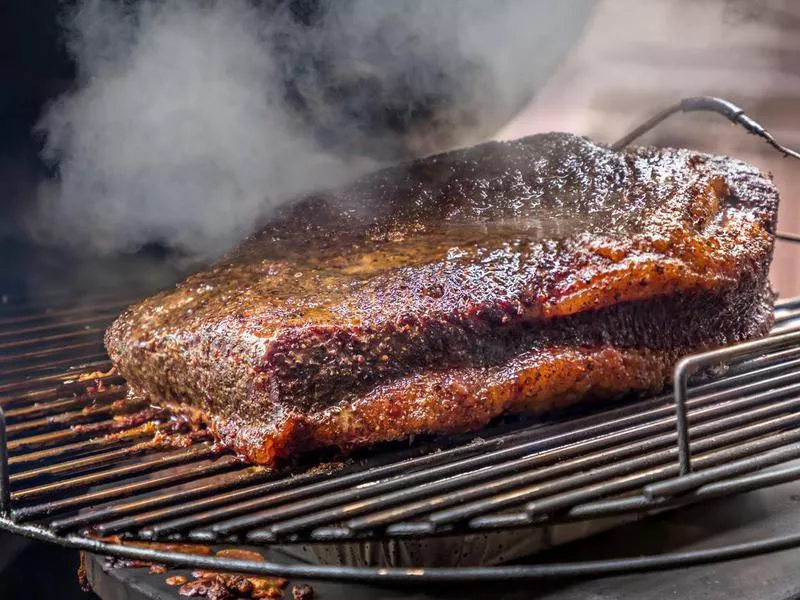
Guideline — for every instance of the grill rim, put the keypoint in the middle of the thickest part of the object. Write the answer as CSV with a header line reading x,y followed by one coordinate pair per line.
x,y
399,575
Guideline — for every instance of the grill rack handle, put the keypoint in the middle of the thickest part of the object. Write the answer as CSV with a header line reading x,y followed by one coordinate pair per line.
x,y
689,365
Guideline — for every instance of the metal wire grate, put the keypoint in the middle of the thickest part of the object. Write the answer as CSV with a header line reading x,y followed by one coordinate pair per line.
x,y
77,464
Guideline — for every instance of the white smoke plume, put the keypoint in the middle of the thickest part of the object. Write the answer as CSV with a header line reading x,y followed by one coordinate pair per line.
x,y
178,129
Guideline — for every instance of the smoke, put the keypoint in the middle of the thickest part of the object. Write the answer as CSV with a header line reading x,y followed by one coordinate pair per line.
x,y
190,121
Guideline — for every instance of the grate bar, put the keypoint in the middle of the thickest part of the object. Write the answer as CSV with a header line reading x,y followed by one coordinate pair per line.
x,y
55,338
786,303
747,482
53,408
712,459
128,488
45,352
65,379
540,509
78,464
737,485
200,451
787,326
72,418
394,514
674,487
604,508
87,446
431,502
111,307
47,440
472,509
55,325
756,370
475,467
11,376
115,511
173,522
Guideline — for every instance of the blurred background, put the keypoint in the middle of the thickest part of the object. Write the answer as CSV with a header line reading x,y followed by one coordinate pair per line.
x,y
138,142
635,58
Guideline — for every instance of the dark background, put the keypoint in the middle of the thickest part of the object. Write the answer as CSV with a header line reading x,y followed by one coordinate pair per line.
x,y
33,68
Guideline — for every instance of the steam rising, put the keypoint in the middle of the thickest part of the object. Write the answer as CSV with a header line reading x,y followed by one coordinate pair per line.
x,y
192,120
176,134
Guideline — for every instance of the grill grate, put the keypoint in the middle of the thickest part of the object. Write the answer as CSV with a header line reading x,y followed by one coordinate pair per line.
x,y
77,464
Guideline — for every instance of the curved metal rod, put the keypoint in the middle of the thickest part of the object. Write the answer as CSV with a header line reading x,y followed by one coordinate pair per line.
x,y
411,575
728,110
710,104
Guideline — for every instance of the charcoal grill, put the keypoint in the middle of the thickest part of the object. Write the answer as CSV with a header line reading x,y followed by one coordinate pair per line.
x,y
78,466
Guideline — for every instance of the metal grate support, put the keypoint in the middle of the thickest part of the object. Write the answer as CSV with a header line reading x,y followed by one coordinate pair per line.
x,y
76,465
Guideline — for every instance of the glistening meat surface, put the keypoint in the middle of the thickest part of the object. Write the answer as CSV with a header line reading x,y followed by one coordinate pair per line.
x,y
429,297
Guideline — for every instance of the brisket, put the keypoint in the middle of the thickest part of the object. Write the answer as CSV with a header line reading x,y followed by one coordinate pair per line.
x,y
434,296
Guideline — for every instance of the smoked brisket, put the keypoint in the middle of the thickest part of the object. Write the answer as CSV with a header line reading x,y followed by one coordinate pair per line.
x,y
434,296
